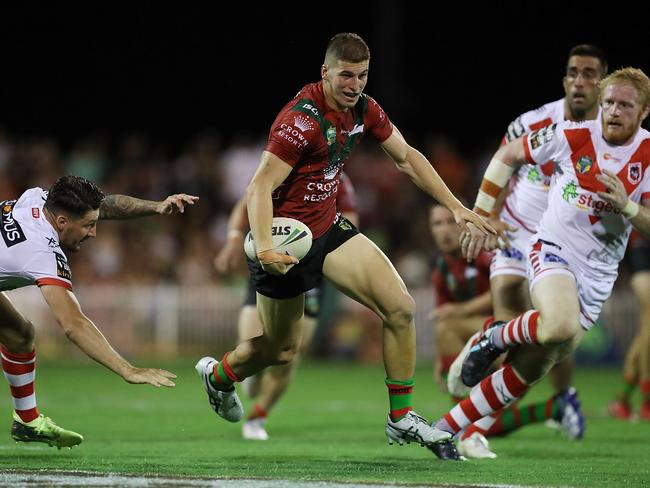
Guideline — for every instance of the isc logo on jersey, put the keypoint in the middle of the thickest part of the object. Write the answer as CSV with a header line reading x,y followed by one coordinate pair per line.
x,y
289,236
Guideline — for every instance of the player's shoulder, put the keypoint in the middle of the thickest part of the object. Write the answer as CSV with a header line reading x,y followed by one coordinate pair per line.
x,y
535,119
546,114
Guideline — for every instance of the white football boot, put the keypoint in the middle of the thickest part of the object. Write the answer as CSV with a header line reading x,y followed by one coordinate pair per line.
x,y
253,430
476,446
225,403
413,428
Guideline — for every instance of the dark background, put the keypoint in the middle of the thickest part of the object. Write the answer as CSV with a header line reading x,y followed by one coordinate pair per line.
x,y
172,72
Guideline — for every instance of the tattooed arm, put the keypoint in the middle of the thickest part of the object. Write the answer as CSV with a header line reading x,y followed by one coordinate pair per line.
x,y
117,207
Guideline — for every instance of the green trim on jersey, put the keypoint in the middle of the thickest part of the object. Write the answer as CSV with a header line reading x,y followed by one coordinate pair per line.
x,y
336,153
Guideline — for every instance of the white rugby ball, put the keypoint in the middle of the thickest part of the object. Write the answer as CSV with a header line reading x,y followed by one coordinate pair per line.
x,y
289,236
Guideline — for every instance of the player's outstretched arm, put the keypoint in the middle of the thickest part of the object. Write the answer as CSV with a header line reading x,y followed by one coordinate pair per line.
x,y
232,253
412,162
117,207
80,330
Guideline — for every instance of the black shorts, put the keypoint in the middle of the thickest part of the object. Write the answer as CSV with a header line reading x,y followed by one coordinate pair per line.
x,y
308,273
313,299
640,255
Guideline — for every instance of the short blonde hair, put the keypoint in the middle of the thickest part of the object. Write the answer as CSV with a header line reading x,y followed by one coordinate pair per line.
x,y
629,76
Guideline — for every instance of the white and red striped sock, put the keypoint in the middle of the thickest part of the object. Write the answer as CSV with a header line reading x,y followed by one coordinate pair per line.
x,y
481,426
520,330
493,393
20,371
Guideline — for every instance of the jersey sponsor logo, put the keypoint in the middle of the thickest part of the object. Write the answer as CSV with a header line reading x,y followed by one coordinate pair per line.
x,y
311,108
293,135
570,191
331,135
319,192
36,212
357,129
515,129
303,123
584,164
62,267
542,136
586,201
11,231
52,242
634,173
607,157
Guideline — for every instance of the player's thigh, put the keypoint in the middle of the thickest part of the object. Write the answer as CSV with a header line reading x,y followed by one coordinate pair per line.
x,y
556,298
363,272
249,324
510,296
308,329
11,320
281,319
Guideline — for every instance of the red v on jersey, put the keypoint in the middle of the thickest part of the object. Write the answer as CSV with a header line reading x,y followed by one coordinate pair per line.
x,y
632,173
583,156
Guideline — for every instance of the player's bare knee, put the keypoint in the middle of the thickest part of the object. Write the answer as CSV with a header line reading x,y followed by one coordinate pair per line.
x,y
285,356
20,340
400,316
557,329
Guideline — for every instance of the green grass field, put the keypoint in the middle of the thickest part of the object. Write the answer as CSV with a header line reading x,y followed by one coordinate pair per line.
x,y
328,427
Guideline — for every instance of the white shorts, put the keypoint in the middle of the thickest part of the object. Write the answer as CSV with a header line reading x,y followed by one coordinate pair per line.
x,y
513,261
594,286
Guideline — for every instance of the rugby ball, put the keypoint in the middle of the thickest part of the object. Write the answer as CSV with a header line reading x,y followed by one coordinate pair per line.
x,y
289,236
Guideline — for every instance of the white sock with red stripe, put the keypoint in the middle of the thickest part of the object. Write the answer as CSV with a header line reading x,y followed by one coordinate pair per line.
x,y
493,393
20,371
520,330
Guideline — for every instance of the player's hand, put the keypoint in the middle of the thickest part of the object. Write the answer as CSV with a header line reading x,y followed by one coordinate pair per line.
x,y
472,241
174,204
465,216
276,263
230,256
151,376
500,239
446,311
616,193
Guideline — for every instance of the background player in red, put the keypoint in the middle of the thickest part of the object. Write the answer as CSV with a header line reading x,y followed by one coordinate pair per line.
x,y
462,291
636,369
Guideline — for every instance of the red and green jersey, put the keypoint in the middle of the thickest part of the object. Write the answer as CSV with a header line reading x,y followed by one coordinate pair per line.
x,y
316,141
455,280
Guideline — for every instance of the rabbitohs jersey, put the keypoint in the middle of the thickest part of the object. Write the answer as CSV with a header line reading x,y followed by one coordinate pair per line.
x,y
577,219
528,192
316,141
29,249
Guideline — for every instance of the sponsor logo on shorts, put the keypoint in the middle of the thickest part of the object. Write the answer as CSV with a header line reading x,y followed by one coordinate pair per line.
x,y
549,257
11,231
513,253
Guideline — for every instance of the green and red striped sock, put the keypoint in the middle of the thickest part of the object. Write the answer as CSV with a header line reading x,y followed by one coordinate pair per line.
x,y
257,412
400,396
629,385
223,377
515,417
